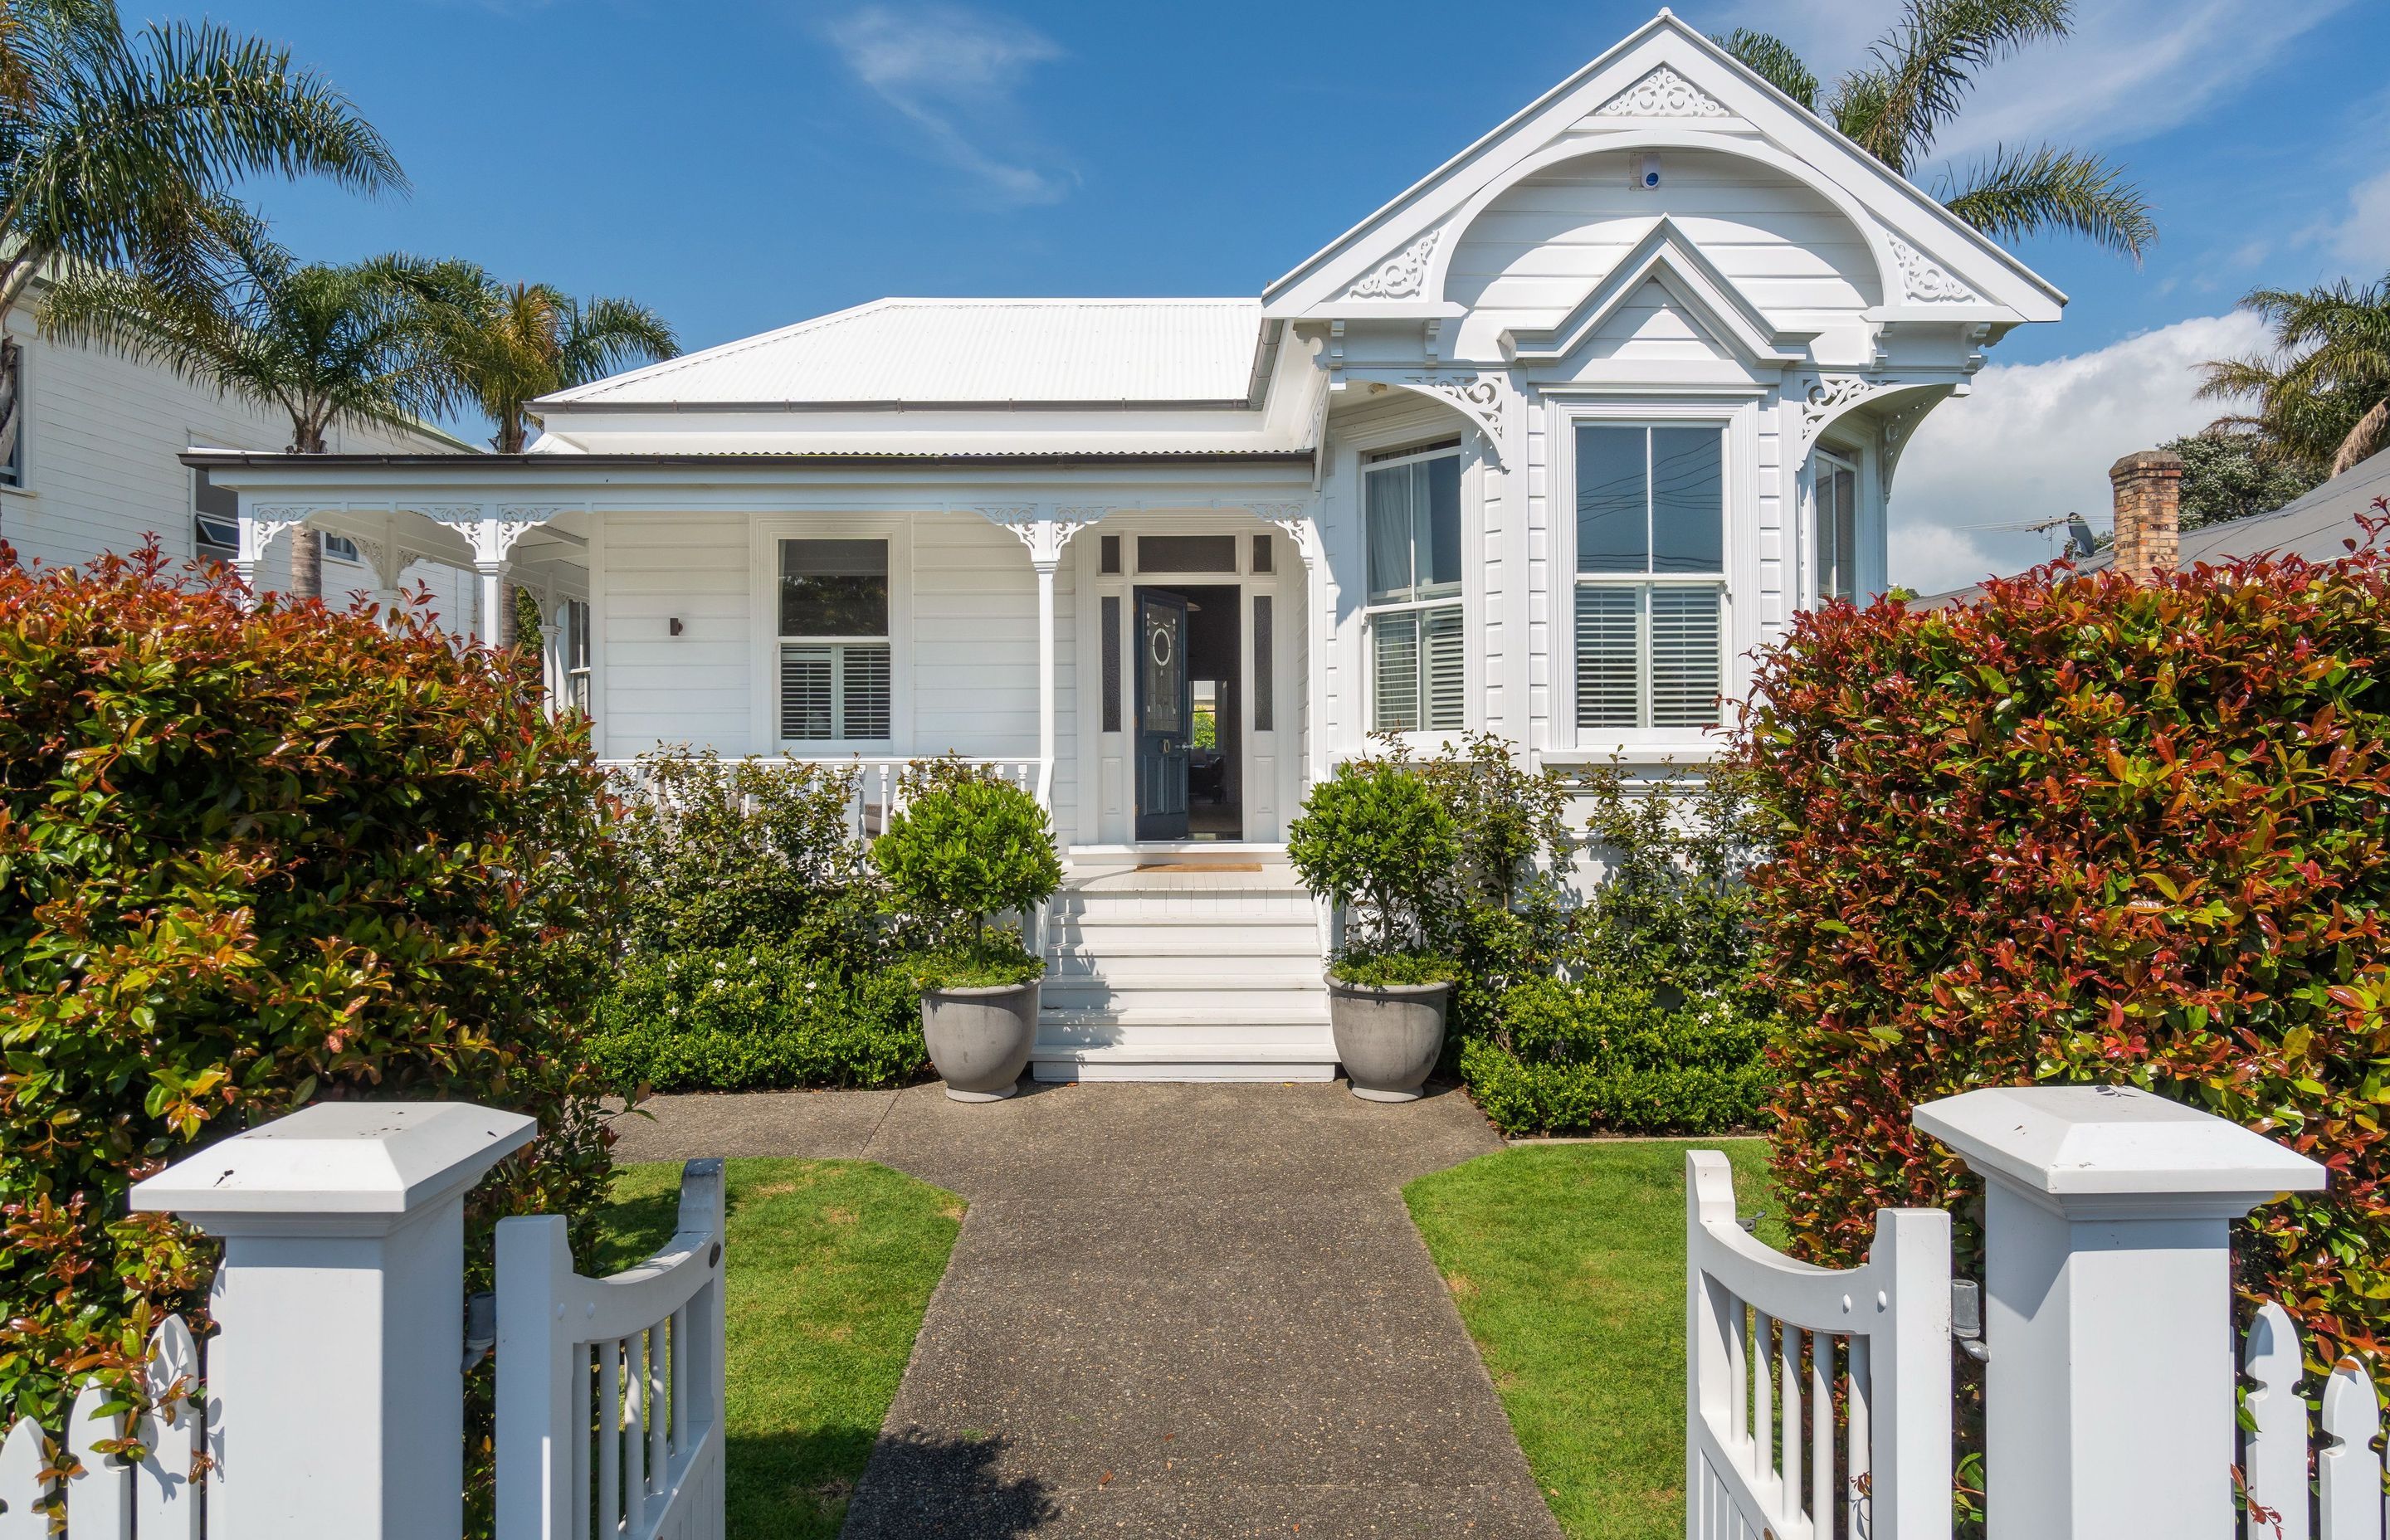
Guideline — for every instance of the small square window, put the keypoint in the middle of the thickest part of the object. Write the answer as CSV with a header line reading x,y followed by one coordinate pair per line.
x,y
1110,563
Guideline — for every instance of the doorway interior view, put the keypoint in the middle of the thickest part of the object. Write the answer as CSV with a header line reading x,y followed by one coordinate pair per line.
x,y
1189,764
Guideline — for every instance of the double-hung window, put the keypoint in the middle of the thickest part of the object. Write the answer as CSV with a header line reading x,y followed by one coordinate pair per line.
x,y
834,659
1650,575
1412,514
1836,510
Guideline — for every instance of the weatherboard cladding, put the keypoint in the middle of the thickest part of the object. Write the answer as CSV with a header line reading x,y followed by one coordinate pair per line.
x,y
967,351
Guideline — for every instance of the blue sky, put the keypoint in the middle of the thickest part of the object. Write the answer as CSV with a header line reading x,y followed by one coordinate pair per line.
x,y
740,164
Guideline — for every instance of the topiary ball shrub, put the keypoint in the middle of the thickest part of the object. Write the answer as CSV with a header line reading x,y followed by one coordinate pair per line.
x,y
964,848
1576,1058
2089,831
1374,840
250,858
756,1018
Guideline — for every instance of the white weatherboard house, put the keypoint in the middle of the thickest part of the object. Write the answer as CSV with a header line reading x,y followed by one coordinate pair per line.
x,y
1543,447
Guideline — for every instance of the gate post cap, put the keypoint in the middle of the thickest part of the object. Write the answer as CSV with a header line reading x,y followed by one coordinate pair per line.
x,y
2092,1150
374,1161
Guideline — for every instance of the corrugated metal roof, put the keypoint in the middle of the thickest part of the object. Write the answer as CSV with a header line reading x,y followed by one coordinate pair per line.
x,y
966,352
2317,526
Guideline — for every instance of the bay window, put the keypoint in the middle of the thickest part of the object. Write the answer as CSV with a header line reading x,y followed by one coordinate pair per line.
x,y
1650,575
1413,527
835,681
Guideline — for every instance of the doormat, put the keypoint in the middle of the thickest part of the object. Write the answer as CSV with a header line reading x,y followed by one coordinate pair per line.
x,y
1199,866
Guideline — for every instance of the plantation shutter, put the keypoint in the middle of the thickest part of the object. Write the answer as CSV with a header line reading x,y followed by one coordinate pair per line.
x,y
862,692
1606,657
1395,639
1447,698
807,705
1684,635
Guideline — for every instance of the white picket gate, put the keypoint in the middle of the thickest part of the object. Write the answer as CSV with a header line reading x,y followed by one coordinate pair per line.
x,y
1773,1345
45,1481
610,1389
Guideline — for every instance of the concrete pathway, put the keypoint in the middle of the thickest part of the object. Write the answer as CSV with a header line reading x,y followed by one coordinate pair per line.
x,y
1174,1310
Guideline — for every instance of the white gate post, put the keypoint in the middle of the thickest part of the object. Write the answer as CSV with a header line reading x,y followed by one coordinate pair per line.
x,y
2108,1304
335,1383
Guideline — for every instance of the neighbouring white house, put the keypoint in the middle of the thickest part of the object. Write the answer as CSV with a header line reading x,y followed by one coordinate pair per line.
x,y
1543,447
91,460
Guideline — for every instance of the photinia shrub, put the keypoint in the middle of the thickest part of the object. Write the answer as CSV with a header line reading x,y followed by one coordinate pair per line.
x,y
2087,830
252,858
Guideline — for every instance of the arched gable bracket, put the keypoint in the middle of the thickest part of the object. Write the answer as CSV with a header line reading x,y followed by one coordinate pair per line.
x,y
1667,254
1487,401
1879,242
1896,405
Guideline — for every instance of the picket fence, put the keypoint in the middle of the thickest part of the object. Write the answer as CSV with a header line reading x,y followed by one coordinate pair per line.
x,y
609,1402
82,1479
1820,1403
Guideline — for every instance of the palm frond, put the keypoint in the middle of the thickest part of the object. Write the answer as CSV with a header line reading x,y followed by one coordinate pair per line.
x,y
1925,67
2320,397
1774,61
2364,439
2019,192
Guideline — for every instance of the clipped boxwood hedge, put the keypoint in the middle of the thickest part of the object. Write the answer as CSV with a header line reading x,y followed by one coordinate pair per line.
x,y
252,858
1607,1057
2088,830
761,1017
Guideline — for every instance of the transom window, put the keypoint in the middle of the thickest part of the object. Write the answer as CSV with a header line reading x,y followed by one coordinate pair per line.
x,y
1412,512
1650,575
834,654
1838,528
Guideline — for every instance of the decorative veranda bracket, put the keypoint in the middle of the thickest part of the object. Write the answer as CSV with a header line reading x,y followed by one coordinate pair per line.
x,y
1295,519
1484,399
261,526
1044,534
1826,397
490,532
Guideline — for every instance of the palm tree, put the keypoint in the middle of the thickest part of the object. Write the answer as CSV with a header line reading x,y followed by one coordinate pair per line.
x,y
2323,397
1918,76
324,343
116,146
504,346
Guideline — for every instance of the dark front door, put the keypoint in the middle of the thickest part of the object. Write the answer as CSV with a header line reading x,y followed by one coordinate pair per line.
x,y
1165,715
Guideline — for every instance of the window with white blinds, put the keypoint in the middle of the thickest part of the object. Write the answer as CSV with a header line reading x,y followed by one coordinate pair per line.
x,y
836,671
1417,657
1650,575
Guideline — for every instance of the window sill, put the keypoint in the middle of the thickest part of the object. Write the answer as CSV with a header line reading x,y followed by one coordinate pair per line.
x,y
29,494
1639,750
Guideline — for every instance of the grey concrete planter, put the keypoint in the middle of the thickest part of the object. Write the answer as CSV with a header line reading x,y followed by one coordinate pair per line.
x,y
980,1038
1389,1038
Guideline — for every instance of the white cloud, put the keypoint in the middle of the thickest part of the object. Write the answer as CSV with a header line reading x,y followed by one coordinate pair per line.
x,y
2034,440
2130,69
956,75
2361,238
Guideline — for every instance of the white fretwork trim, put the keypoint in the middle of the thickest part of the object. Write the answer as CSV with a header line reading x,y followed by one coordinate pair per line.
x,y
1482,397
1898,429
1044,535
1399,277
260,527
1663,94
1824,398
1924,282
1296,520
492,534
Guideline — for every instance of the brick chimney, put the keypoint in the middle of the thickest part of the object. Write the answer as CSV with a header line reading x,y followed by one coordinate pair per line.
x,y
2149,513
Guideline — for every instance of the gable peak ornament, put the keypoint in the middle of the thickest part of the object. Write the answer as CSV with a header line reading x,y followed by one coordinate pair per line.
x,y
1663,94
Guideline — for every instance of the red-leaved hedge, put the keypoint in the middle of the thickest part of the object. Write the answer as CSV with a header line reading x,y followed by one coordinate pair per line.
x,y
250,858
2083,830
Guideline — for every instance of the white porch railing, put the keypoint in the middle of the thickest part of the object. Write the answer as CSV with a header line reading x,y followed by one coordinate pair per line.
x,y
637,1357
107,1495
879,782
1775,1346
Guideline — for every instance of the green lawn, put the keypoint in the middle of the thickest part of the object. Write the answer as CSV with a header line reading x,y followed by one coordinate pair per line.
x,y
1568,1264
831,1264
